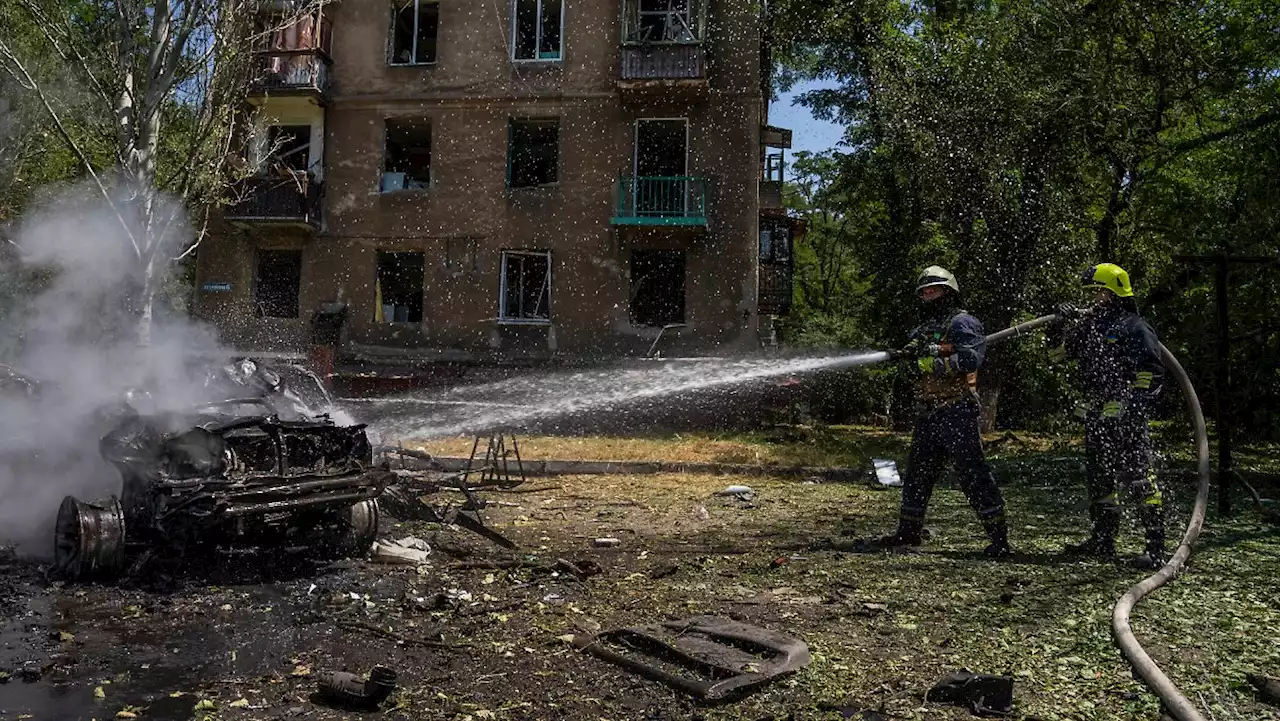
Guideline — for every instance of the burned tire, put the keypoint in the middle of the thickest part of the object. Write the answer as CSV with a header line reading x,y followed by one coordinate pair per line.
x,y
89,539
356,529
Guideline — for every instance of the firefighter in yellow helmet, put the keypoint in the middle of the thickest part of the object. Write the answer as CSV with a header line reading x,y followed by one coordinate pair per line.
x,y
1121,373
944,356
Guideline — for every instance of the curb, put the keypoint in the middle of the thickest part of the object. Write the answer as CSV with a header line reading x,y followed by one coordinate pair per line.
x,y
622,468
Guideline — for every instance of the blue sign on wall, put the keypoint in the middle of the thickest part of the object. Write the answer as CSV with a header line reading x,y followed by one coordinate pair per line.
x,y
216,287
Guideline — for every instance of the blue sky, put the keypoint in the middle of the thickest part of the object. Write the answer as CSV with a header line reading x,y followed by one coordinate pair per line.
x,y
808,133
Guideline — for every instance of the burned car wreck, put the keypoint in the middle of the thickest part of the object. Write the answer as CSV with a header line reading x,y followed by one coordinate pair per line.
x,y
258,467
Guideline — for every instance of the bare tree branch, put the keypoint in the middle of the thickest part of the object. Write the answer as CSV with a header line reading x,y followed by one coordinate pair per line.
x,y
70,141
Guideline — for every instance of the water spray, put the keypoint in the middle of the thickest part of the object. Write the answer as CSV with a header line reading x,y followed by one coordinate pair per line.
x,y
1174,701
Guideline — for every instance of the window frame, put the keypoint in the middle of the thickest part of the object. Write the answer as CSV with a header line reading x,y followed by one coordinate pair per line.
x,y
422,292
537,40
413,48
512,122
503,317
430,182
259,305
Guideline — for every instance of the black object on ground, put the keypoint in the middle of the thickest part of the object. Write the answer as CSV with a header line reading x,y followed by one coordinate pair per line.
x,y
1268,687
343,689
983,695
707,656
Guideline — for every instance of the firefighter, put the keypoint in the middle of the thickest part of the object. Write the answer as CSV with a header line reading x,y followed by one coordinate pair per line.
x,y
1121,372
944,356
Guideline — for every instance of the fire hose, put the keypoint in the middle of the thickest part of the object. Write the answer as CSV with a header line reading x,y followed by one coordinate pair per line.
x,y
1175,703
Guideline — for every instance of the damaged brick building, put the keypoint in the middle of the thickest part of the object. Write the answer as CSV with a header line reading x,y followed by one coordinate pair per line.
x,y
508,178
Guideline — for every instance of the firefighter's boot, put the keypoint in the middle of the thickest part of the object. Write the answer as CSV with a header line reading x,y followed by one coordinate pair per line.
x,y
1155,555
1102,542
998,531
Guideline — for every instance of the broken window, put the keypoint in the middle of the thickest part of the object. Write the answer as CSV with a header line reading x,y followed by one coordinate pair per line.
x,y
535,30
399,287
277,283
665,21
533,153
413,33
526,286
657,287
408,156
775,240
288,148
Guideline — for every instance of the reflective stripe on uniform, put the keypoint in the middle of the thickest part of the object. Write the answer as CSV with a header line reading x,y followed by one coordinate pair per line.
x,y
1112,409
1143,381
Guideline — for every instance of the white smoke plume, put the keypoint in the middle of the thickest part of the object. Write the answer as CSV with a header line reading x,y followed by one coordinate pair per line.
x,y
77,337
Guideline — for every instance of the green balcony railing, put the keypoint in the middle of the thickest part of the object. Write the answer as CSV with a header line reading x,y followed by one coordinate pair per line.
x,y
669,200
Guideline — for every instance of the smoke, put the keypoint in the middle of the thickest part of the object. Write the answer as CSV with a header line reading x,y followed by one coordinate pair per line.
x,y
77,336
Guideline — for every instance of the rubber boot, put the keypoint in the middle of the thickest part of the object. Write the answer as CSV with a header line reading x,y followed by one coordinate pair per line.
x,y
1154,556
998,531
1102,542
909,533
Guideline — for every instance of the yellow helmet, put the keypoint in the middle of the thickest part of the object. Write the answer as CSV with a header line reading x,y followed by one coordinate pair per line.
x,y
1109,276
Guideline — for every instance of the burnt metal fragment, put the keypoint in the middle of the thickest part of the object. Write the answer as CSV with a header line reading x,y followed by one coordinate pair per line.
x,y
344,689
707,656
983,695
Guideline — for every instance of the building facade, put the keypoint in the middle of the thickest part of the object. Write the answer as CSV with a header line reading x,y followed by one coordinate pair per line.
x,y
502,177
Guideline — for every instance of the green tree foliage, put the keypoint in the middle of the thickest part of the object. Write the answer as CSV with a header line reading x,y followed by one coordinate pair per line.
x,y
1017,142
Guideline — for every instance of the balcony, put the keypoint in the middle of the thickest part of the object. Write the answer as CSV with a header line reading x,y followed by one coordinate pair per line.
x,y
670,201
771,183
662,50
292,72
288,200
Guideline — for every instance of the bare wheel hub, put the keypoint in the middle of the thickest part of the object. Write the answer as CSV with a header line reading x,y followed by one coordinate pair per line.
x,y
89,538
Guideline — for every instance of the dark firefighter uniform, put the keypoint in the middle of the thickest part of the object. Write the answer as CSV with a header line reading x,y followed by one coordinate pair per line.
x,y
944,356
1121,373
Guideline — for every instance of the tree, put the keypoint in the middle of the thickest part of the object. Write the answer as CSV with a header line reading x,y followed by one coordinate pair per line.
x,y
166,81
1014,141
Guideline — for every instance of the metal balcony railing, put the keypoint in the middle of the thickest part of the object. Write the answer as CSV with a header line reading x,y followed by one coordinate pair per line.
x,y
291,71
276,199
663,62
669,200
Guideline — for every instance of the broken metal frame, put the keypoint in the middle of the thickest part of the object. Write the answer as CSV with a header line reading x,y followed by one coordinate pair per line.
x,y
717,648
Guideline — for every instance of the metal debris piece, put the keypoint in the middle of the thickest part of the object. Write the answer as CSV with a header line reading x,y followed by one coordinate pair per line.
x,y
706,656
349,690
607,542
982,694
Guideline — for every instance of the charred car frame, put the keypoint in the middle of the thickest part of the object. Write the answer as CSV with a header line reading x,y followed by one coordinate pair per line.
x,y
256,469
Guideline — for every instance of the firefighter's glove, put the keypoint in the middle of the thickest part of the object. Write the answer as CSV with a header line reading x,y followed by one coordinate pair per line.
x,y
1113,409
1068,312
933,350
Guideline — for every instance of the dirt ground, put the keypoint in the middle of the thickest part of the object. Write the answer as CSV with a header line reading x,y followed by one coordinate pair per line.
x,y
245,637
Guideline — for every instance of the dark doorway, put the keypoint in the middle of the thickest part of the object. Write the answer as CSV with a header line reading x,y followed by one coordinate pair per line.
x,y
657,287
277,283
399,287
661,147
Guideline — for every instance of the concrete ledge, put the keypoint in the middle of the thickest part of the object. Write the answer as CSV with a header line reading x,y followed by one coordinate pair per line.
x,y
621,468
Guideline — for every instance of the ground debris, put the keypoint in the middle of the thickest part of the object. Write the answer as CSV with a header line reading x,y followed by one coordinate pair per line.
x,y
676,652
410,551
